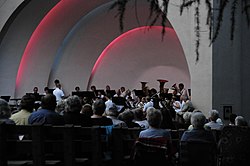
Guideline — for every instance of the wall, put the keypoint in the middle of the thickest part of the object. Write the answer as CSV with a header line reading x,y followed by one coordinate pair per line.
x,y
231,65
70,38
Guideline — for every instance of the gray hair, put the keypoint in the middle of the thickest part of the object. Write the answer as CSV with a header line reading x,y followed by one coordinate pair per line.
x,y
198,120
213,115
154,117
112,111
240,121
187,116
73,104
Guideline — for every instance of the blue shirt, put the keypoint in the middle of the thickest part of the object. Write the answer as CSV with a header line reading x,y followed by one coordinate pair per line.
x,y
198,135
153,133
44,116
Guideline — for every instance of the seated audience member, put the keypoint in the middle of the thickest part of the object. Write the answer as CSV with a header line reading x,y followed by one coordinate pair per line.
x,y
26,108
60,107
232,119
128,116
190,127
213,124
87,110
140,118
187,119
154,144
98,118
46,114
240,121
154,118
112,113
198,132
72,113
5,112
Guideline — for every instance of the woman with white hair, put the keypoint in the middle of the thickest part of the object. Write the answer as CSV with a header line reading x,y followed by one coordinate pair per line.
x,y
214,124
198,131
240,121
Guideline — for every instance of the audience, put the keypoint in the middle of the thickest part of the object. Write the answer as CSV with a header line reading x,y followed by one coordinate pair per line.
x,y
240,121
5,112
72,113
98,110
140,118
198,131
213,124
128,117
232,119
112,113
60,107
46,114
87,110
26,108
154,118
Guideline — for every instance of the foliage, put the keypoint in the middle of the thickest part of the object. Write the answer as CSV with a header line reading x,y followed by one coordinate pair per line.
x,y
160,11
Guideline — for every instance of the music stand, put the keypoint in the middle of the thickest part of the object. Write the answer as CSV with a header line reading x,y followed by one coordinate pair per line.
x,y
6,98
82,94
111,92
139,93
119,101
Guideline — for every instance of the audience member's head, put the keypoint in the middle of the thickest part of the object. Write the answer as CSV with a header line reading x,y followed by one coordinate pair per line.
x,y
99,107
154,117
87,110
198,120
5,111
73,104
213,115
112,111
187,117
240,121
126,116
48,102
139,114
27,103
232,119
60,107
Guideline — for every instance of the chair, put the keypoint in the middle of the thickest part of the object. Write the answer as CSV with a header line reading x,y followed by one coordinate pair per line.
x,y
123,140
234,146
149,151
197,153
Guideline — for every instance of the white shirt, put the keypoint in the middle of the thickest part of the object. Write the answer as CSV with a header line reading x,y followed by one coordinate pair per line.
x,y
109,104
59,94
147,105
